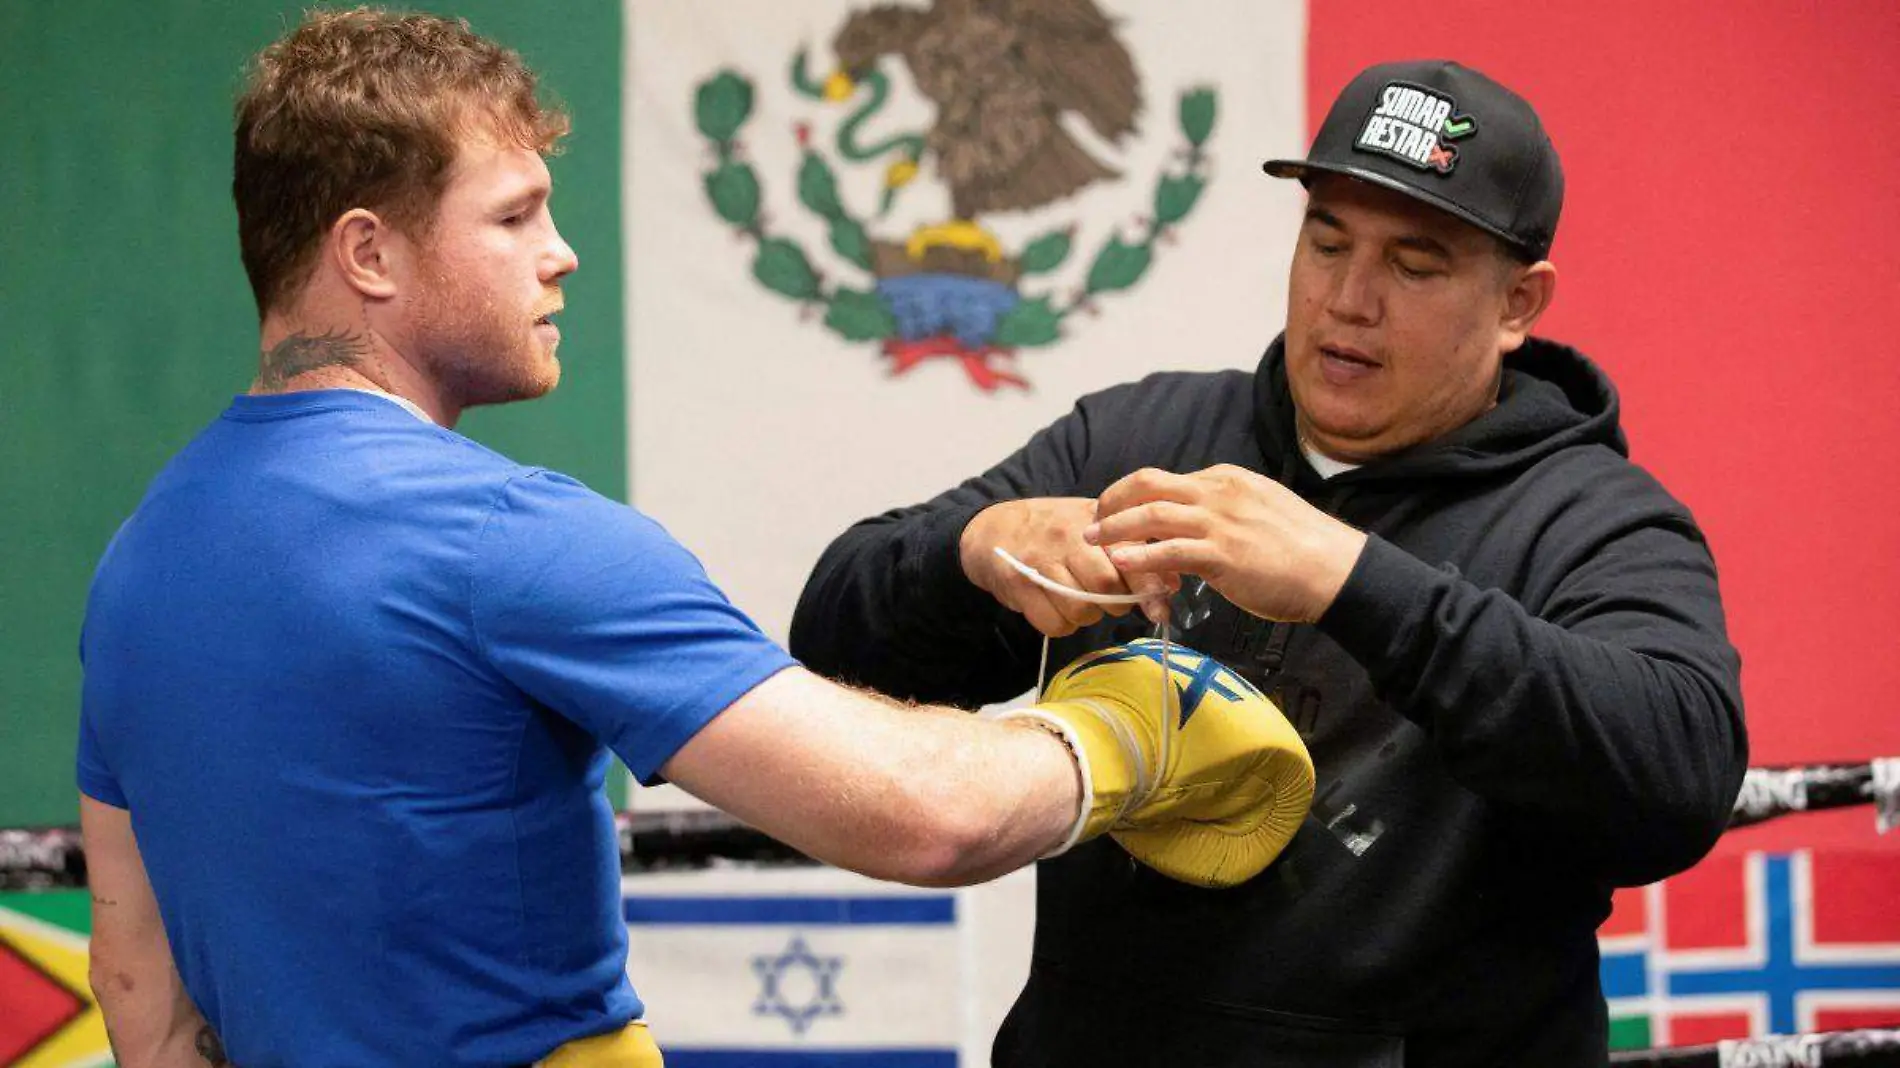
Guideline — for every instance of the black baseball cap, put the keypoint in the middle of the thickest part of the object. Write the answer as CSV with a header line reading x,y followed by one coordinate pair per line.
x,y
1449,136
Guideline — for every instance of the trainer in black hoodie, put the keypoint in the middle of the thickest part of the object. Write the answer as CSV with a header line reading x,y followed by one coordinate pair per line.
x,y
1522,697
1516,688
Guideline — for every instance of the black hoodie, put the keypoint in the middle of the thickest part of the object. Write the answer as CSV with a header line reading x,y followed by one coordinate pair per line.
x,y
1523,696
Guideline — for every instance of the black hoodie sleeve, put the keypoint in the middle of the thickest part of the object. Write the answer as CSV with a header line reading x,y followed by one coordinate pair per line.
x,y
1613,713
888,605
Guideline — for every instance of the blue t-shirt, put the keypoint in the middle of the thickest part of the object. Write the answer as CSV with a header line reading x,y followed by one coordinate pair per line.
x,y
352,673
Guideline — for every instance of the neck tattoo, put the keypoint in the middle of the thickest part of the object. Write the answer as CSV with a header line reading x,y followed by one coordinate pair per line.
x,y
300,353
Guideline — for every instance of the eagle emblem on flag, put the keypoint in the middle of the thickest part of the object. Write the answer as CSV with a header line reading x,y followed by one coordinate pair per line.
x,y
1007,80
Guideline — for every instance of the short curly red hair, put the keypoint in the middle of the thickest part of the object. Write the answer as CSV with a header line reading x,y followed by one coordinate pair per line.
x,y
365,109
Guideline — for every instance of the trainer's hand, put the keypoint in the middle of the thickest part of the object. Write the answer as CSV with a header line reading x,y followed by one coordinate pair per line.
x,y
1252,539
1046,534
1193,771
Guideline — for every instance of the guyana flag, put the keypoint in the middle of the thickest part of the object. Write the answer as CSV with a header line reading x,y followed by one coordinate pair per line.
x,y
48,1018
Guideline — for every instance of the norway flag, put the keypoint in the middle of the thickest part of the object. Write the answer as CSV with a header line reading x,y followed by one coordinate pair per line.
x,y
1752,944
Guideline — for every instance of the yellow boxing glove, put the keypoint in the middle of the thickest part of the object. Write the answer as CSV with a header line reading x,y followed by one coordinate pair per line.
x,y
1192,770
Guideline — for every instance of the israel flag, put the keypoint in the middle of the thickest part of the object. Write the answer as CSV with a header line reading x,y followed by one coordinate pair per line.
x,y
802,967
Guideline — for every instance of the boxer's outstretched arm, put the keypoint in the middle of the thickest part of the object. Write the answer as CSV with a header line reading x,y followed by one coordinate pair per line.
x,y
150,1020
922,795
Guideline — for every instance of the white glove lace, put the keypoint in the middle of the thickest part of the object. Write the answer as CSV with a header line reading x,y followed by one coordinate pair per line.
x,y
1168,725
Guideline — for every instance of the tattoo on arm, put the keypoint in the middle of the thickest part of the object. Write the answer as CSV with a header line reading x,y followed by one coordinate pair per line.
x,y
299,353
210,1048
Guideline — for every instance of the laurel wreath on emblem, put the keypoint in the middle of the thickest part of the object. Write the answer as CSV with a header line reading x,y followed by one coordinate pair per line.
x,y
944,291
